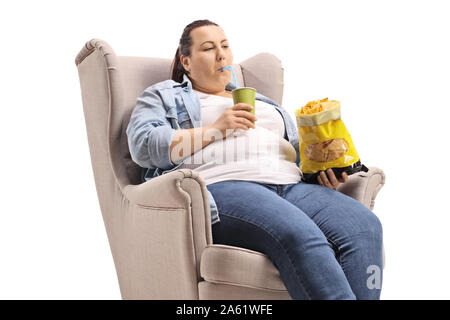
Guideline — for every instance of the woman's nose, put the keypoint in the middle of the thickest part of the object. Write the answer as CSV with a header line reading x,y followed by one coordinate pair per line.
x,y
221,55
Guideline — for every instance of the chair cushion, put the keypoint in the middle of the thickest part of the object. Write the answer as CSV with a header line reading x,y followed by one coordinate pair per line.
x,y
220,291
239,266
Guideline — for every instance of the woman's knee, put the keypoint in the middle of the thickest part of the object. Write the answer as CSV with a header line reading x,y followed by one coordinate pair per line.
x,y
375,225
352,218
370,223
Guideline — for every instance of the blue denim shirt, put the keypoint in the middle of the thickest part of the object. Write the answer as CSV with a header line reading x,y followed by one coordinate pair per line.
x,y
168,106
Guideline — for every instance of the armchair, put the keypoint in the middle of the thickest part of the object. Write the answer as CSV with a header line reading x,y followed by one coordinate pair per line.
x,y
159,231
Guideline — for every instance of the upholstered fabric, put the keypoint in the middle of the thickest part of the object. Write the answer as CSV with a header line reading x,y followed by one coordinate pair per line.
x,y
364,186
239,266
215,291
159,231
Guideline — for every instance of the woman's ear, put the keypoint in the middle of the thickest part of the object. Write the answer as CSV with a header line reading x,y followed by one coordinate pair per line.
x,y
185,62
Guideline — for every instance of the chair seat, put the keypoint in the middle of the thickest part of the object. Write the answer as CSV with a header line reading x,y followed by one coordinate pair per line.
x,y
227,265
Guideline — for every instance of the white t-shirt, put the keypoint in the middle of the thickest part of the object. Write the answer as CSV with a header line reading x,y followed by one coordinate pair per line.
x,y
260,154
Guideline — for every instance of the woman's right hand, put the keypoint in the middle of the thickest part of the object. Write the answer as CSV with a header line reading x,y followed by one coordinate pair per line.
x,y
235,117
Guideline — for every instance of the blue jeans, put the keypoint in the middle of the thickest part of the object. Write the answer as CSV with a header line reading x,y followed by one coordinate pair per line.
x,y
325,244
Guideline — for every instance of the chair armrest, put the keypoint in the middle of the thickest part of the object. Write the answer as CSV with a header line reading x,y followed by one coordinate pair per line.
x,y
364,186
181,188
168,226
163,191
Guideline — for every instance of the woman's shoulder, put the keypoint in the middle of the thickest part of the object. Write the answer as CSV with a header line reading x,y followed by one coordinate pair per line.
x,y
166,84
164,90
265,99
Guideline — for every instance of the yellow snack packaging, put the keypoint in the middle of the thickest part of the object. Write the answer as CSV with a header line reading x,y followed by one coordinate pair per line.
x,y
324,141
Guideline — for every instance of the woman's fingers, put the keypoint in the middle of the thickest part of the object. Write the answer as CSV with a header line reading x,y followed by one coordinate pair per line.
x,y
242,106
332,178
243,115
246,115
329,179
241,123
344,177
319,180
324,179
245,121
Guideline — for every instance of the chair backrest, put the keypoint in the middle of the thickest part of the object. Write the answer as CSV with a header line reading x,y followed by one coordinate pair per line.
x,y
110,85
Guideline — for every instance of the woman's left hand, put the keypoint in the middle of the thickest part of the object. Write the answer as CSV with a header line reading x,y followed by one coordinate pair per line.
x,y
331,181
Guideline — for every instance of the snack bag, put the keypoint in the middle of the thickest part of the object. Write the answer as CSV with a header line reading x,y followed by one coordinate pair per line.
x,y
324,141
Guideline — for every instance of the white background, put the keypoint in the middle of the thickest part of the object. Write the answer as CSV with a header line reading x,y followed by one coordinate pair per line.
x,y
386,61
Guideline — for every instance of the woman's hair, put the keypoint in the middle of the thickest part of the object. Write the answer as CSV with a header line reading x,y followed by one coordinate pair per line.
x,y
184,48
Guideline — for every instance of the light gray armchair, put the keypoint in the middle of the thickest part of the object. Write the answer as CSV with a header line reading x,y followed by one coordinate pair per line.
x,y
159,231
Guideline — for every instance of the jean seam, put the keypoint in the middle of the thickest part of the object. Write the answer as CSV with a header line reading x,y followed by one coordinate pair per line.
x,y
314,214
279,242
338,254
359,234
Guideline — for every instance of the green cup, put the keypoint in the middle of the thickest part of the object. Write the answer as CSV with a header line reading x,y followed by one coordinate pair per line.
x,y
244,95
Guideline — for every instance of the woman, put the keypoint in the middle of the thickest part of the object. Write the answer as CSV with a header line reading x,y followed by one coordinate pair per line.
x,y
323,242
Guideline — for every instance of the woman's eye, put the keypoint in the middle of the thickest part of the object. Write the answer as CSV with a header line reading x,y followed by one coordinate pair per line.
x,y
213,48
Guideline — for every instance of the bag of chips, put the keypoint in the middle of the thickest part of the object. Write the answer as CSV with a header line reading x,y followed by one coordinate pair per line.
x,y
324,141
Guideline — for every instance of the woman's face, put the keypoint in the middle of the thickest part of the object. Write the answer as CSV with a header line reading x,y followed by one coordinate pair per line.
x,y
210,51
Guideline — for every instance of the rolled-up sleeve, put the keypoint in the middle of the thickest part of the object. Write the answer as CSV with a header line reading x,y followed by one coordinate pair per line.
x,y
149,133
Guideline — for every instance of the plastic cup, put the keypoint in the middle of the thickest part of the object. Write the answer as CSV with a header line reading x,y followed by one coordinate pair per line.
x,y
245,95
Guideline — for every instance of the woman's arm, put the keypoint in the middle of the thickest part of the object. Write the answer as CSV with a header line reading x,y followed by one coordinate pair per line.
x,y
185,142
149,133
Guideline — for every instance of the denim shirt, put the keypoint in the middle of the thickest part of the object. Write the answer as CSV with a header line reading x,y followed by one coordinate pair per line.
x,y
168,106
